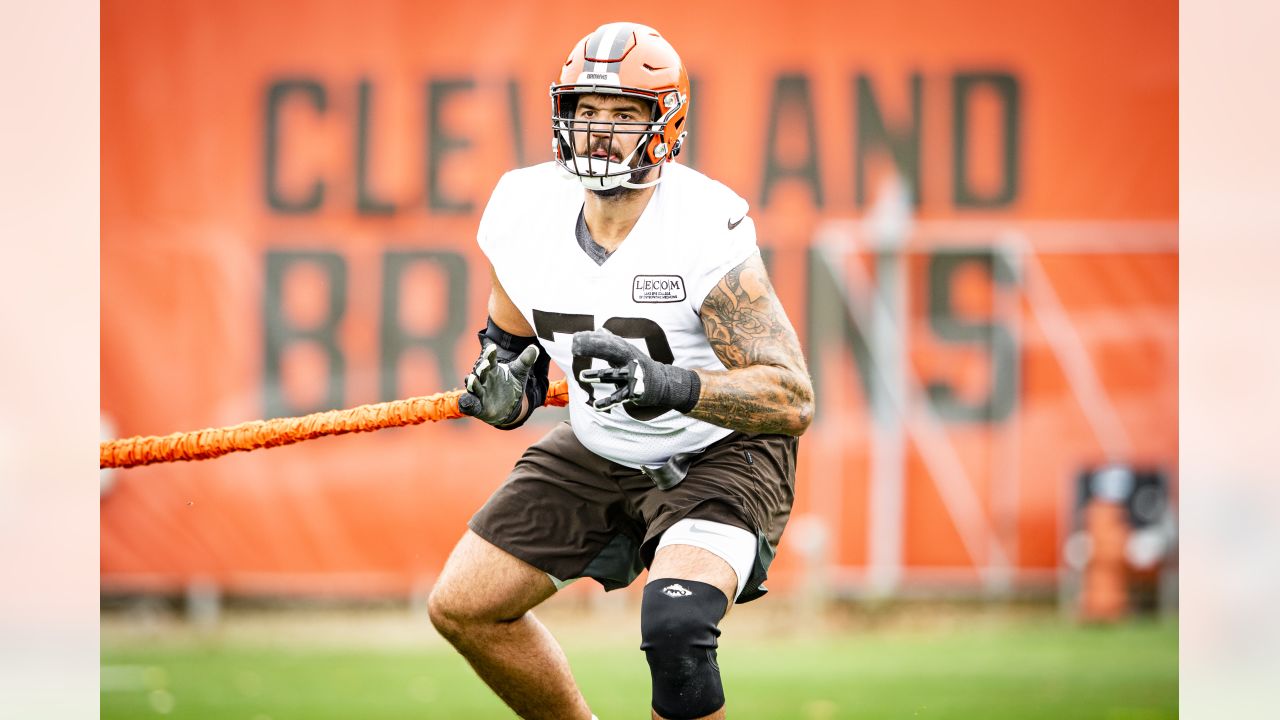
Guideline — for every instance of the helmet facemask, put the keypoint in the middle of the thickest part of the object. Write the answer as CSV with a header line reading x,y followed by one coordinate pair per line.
x,y
610,172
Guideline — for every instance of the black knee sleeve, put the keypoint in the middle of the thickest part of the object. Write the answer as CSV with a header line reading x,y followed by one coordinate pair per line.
x,y
678,626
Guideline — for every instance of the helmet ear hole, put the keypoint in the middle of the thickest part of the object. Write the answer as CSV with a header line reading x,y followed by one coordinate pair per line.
x,y
561,147
675,149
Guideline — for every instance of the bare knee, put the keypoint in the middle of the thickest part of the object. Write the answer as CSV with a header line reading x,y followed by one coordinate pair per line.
x,y
456,611
447,615
483,588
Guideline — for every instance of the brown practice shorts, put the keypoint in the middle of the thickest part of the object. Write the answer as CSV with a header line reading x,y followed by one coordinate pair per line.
x,y
572,513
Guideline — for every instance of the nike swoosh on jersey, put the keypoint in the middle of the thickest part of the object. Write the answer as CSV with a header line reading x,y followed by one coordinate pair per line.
x,y
733,224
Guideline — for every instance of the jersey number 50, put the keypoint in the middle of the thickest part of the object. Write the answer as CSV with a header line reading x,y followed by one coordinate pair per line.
x,y
547,324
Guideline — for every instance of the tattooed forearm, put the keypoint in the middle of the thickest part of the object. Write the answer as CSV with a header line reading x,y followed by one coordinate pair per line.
x,y
766,388
755,400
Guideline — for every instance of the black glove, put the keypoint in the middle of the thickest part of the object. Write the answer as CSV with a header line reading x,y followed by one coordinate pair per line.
x,y
495,389
639,379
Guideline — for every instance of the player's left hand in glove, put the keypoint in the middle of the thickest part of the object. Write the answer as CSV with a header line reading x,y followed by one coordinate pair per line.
x,y
496,390
637,377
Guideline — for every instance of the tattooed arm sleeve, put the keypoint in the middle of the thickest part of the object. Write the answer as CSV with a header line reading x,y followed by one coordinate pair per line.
x,y
766,388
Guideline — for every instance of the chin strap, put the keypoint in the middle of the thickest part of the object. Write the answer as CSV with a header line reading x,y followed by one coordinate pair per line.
x,y
594,182
641,186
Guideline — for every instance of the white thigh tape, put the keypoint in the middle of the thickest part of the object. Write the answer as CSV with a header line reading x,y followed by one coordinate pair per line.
x,y
731,544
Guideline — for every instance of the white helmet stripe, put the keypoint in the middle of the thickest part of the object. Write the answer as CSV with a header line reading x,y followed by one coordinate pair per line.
x,y
609,43
607,35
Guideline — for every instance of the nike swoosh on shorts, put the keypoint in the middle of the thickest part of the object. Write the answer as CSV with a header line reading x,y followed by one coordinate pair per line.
x,y
698,529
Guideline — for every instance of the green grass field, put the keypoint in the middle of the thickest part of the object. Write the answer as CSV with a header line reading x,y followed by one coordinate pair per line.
x,y
1014,669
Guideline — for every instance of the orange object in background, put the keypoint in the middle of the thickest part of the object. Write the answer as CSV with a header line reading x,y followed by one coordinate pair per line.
x,y
1105,595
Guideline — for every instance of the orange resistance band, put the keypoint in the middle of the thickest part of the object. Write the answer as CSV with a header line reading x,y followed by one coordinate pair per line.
x,y
215,442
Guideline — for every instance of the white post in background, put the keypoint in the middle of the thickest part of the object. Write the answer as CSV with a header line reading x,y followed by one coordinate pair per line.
x,y
887,229
1006,471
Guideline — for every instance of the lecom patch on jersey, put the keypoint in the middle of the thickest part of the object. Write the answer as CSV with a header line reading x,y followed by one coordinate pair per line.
x,y
657,289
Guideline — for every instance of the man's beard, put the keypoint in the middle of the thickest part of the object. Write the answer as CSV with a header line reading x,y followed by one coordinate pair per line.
x,y
622,192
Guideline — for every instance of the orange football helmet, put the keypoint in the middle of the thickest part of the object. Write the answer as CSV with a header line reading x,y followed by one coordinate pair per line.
x,y
625,59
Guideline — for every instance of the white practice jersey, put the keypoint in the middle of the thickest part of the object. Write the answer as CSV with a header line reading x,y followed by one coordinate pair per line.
x,y
650,291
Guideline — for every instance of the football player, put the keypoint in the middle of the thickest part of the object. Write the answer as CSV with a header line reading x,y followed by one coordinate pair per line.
x,y
640,278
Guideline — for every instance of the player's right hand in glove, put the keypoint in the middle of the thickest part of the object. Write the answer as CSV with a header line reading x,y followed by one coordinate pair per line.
x,y
496,390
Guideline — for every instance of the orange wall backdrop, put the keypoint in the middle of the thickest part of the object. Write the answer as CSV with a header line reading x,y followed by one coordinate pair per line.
x,y
289,197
